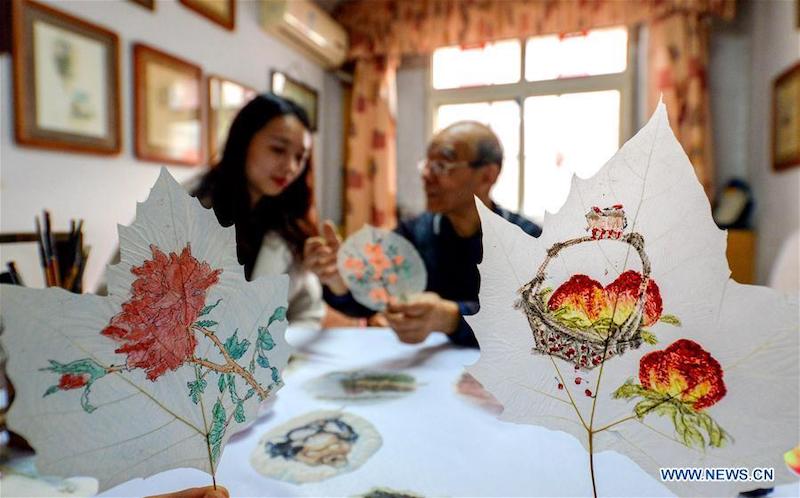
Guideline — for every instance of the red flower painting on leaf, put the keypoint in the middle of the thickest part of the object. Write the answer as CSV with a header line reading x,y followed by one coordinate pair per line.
x,y
73,381
154,324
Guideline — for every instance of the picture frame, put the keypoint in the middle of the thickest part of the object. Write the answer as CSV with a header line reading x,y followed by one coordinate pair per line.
x,y
168,109
66,81
222,12
225,98
5,26
786,119
147,4
306,97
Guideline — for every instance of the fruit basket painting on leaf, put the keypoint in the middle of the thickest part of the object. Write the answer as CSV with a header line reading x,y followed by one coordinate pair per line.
x,y
621,327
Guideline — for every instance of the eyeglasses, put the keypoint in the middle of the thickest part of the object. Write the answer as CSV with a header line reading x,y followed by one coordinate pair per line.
x,y
440,168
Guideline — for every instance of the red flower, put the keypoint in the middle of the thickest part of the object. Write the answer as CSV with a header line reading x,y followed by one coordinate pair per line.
x,y
685,371
73,381
154,325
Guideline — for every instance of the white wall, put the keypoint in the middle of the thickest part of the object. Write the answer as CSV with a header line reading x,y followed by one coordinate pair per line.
x,y
729,90
412,83
775,48
330,168
104,191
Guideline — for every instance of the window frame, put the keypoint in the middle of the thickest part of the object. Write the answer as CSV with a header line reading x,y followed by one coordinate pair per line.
x,y
624,82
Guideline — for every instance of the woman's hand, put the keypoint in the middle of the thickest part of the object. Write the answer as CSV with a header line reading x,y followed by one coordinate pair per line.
x,y
207,492
319,256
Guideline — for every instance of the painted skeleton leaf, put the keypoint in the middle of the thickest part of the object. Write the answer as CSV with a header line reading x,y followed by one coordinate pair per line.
x,y
620,325
164,370
378,265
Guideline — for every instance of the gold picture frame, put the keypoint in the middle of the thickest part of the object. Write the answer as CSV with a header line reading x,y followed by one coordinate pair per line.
x,y
225,98
222,12
147,4
168,108
786,119
306,97
66,81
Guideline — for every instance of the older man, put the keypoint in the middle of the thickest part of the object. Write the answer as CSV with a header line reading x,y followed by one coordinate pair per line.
x,y
463,161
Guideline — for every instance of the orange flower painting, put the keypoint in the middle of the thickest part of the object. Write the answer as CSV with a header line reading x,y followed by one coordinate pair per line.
x,y
378,265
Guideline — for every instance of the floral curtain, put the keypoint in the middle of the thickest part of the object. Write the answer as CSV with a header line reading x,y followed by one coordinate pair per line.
x,y
403,27
371,178
384,30
677,73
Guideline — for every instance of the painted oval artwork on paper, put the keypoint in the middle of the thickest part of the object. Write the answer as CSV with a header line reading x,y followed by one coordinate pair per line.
x,y
377,265
362,385
315,446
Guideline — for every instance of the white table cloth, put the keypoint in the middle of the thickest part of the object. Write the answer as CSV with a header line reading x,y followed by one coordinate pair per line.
x,y
435,443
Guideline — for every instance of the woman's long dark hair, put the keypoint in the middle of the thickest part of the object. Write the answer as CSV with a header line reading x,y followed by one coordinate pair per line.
x,y
291,213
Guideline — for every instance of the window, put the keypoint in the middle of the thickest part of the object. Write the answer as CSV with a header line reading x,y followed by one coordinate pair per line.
x,y
559,104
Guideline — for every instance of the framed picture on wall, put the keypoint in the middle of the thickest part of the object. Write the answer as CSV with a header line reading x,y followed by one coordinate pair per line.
x,y
222,12
302,94
786,119
167,107
5,26
147,4
225,98
66,81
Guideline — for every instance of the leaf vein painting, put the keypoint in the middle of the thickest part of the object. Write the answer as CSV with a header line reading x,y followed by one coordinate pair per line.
x,y
621,326
161,372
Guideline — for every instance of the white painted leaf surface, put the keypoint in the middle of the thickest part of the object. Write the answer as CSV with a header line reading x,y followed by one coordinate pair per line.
x,y
752,332
141,426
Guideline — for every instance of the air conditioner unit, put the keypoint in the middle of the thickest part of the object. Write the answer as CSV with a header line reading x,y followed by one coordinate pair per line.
x,y
307,27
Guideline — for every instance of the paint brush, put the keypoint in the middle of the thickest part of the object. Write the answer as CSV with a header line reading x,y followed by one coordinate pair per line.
x,y
50,242
76,245
43,257
12,271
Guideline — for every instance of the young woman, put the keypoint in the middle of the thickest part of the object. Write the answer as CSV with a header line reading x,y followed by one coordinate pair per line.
x,y
262,185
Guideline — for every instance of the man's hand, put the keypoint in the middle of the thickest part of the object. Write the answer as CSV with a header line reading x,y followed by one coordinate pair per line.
x,y
378,320
207,492
319,256
414,321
